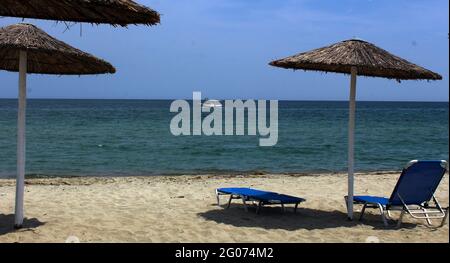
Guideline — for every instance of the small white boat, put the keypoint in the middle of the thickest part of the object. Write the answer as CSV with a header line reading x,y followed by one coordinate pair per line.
x,y
211,104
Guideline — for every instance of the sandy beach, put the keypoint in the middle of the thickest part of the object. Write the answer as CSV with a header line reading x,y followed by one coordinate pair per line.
x,y
183,209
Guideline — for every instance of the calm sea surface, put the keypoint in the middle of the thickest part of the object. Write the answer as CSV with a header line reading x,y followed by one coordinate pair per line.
x,y
132,137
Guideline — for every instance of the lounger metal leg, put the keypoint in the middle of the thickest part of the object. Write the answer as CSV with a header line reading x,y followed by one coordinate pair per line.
x,y
427,217
389,214
362,212
437,204
218,199
245,203
295,208
229,201
282,208
442,210
399,223
444,220
383,217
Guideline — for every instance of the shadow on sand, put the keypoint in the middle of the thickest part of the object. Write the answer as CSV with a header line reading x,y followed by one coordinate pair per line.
x,y
7,224
305,218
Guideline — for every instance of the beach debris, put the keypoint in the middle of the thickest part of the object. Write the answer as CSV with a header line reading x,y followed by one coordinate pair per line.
x,y
258,173
72,239
372,239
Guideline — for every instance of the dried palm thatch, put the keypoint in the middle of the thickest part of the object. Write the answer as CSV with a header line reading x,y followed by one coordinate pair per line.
x,y
114,12
369,60
46,54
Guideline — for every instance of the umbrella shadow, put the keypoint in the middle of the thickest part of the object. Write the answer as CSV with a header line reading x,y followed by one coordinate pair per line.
x,y
305,218
7,224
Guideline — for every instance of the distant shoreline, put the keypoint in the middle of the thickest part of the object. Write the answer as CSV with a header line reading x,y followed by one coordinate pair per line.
x,y
281,100
192,175
88,180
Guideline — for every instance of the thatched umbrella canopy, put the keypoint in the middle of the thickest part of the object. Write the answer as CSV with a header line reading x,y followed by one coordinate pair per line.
x,y
27,49
45,54
114,12
356,57
370,60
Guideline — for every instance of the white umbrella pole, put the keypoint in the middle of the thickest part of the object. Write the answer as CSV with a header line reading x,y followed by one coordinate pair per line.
x,y
351,142
20,184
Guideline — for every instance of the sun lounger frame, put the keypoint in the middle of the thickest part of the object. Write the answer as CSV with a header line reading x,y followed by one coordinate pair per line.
x,y
422,211
255,201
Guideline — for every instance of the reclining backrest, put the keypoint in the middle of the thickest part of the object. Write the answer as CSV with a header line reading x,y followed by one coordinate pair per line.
x,y
418,182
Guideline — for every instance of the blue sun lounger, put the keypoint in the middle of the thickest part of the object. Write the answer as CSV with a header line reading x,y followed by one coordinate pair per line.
x,y
258,197
412,194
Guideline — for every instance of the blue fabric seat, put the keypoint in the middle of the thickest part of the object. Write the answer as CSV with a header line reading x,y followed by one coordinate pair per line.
x,y
412,194
259,196
242,191
371,199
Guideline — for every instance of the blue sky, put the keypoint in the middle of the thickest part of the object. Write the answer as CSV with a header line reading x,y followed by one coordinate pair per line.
x,y
222,47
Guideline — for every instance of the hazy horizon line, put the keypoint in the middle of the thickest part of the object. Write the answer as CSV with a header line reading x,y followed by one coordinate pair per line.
x,y
188,99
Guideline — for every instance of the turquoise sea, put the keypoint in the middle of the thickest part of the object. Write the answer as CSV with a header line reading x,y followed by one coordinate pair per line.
x,y
132,137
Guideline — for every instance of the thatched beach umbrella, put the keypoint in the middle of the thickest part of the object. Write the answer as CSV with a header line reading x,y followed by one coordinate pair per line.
x,y
114,12
27,49
356,57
